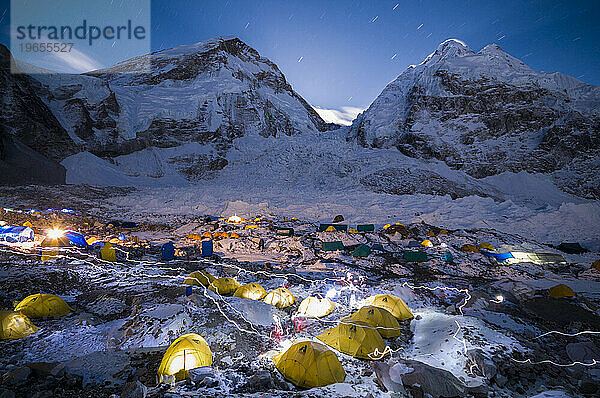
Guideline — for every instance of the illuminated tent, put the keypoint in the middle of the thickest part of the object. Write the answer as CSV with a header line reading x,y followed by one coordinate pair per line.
x,y
75,238
486,246
224,286
43,305
535,258
280,298
189,351
285,231
251,291
108,253
427,243
561,290
199,278
50,246
309,364
382,319
315,307
14,325
196,236
332,227
355,338
393,304
469,248
16,234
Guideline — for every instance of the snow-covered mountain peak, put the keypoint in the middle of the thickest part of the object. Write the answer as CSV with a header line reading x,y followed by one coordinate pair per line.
x,y
448,49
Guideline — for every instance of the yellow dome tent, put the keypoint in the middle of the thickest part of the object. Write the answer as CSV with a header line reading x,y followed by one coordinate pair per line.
x,y
189,351
251,291
427,243
355,338
486,246
14,325
224,286
353,231
195,236
469,248
199,278
43,305
28,224
50,246
393,304
430,234
280,298
561,290
108,253
315,307
309,364
596,265
382,319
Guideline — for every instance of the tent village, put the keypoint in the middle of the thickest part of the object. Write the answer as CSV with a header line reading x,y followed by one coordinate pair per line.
x,y
277,306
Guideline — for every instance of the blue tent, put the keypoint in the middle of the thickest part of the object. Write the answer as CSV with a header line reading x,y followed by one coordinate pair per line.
x,y
167,251
76,238
448,257
207,248
497,256
16,234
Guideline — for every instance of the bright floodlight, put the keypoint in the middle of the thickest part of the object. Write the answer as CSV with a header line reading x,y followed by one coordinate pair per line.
x,y
55,233
235,219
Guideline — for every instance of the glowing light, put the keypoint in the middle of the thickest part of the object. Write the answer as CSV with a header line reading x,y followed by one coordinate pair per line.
x,y
55,233
332,293
499,299
235,219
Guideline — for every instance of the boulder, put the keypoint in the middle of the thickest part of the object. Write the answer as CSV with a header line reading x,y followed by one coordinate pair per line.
x,y
16,377
134,389
583,352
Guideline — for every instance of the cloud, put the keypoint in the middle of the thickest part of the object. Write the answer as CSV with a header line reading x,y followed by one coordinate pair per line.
x,y
345,116
77,61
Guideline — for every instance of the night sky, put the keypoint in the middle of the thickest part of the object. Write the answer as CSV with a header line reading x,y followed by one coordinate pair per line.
x,y
342,53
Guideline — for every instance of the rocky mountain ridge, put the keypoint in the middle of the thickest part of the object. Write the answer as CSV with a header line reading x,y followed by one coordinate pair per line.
x,y
486,113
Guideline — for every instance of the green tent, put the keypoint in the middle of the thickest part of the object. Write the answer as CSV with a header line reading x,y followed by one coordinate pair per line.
x,y
361,251
417,257
337,227
365,228
332,246
285,231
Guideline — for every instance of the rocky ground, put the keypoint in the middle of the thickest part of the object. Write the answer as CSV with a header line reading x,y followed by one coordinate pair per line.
x,y
464,340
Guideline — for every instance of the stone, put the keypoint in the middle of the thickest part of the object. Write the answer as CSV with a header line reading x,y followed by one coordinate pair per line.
x,y
16,377
43,394
260,381
484,364
420,379
134,389
583,352
501,381
588,387
4,393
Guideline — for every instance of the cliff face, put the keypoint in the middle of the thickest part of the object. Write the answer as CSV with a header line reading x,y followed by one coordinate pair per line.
x,y
486,113
208,94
